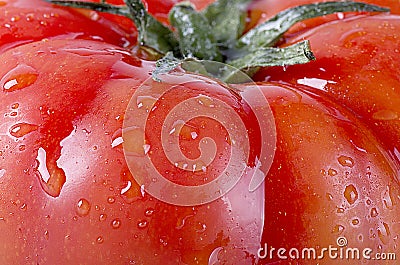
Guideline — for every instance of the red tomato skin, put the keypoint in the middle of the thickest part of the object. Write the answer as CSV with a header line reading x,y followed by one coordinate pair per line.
x,y
356,63
55,105
329,179
24,21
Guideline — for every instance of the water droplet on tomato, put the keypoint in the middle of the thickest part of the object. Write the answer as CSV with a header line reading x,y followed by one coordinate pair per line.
x,y
21,129
117,139
30,17
99,240
332,172
194,135
146,148
94,16
15,106
340,210
199,166
131,192
213,259
340,15
134,142
102,217
346,161
116,223
111,200
384,233
205,101
374,212
338,229
46,235
117,142
176,127
51,177
201,228
149,212
146,102
15,18
83,207
23,207
388,198
385,115
142,224
18,78
351,194
355,222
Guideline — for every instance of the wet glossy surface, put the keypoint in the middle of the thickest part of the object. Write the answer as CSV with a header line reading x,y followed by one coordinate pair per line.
x,y
65,187
356,65
330,179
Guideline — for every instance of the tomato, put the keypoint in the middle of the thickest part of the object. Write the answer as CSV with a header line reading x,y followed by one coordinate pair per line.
x,y
356,66
62,162
24,21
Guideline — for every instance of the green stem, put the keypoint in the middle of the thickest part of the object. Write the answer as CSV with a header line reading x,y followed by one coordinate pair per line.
x,y
228,20
196,38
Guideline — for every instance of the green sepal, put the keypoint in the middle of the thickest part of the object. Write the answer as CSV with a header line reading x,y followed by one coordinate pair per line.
x,y
196,36
298,53
100,7
227,19
152,33
268,33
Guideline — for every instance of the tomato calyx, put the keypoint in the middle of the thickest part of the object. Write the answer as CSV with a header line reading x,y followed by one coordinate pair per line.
x,y
217,33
